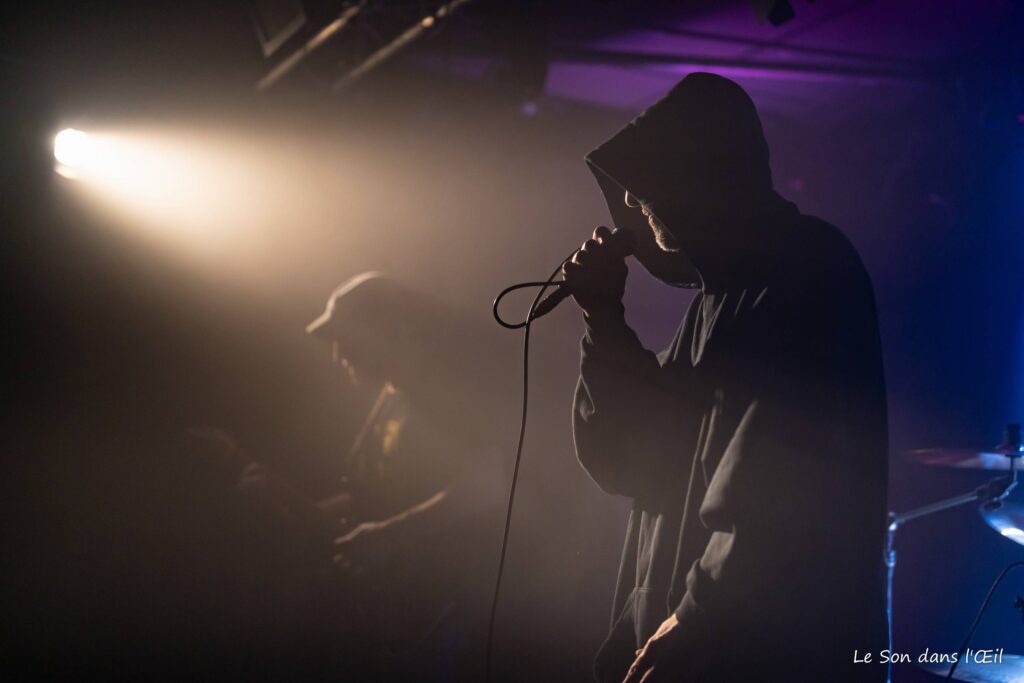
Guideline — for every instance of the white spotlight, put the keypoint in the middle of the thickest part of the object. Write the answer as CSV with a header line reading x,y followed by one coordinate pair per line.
x,y
73,149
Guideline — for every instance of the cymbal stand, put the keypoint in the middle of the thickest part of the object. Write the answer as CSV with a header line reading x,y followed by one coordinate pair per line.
x,y
990,494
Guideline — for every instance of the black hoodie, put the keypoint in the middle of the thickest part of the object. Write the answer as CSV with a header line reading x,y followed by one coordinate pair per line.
x,y
755,446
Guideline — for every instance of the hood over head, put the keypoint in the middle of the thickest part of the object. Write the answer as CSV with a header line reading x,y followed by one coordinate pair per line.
x,y
698,158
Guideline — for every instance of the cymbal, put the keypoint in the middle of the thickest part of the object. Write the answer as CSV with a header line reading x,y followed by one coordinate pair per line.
x,y
1007,519
1010,670
995,459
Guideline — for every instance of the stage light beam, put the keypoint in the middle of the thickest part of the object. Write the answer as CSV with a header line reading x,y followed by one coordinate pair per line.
x,y
193,189
74,150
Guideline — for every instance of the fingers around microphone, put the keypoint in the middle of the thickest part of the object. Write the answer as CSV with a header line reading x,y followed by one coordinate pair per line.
x,y
570,269
593,252
582,257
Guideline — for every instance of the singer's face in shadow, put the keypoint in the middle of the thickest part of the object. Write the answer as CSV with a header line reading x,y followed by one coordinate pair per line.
x,y
665,240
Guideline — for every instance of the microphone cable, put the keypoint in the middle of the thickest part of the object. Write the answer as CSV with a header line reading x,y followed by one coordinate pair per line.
x,y
525,326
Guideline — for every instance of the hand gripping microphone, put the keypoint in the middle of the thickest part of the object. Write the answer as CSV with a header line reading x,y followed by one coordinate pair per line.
x,y
622,243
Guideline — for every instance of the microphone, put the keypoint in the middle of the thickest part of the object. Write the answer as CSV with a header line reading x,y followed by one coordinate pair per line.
x,y
623,243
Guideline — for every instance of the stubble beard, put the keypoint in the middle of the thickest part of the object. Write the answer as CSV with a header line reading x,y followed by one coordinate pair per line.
x,y
663,238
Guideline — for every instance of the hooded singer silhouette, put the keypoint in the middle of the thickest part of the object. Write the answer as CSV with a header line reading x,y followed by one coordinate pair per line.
x,y
754,447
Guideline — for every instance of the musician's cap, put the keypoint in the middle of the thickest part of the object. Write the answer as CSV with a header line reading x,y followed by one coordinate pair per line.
x,y
341,303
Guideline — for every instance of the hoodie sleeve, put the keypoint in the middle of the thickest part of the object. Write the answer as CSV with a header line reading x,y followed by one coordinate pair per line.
x,y
761,508
774,491
620,409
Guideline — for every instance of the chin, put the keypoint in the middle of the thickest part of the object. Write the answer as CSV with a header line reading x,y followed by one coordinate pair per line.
x,y
663,238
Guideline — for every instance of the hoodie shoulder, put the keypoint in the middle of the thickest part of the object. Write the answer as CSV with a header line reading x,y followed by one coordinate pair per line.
x,y
821,253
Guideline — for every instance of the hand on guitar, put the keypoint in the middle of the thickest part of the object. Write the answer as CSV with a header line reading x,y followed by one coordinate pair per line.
x,y
359,547
374,542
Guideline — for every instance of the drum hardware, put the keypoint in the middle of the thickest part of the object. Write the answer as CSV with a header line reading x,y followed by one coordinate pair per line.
x,y
1009,670
991,495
